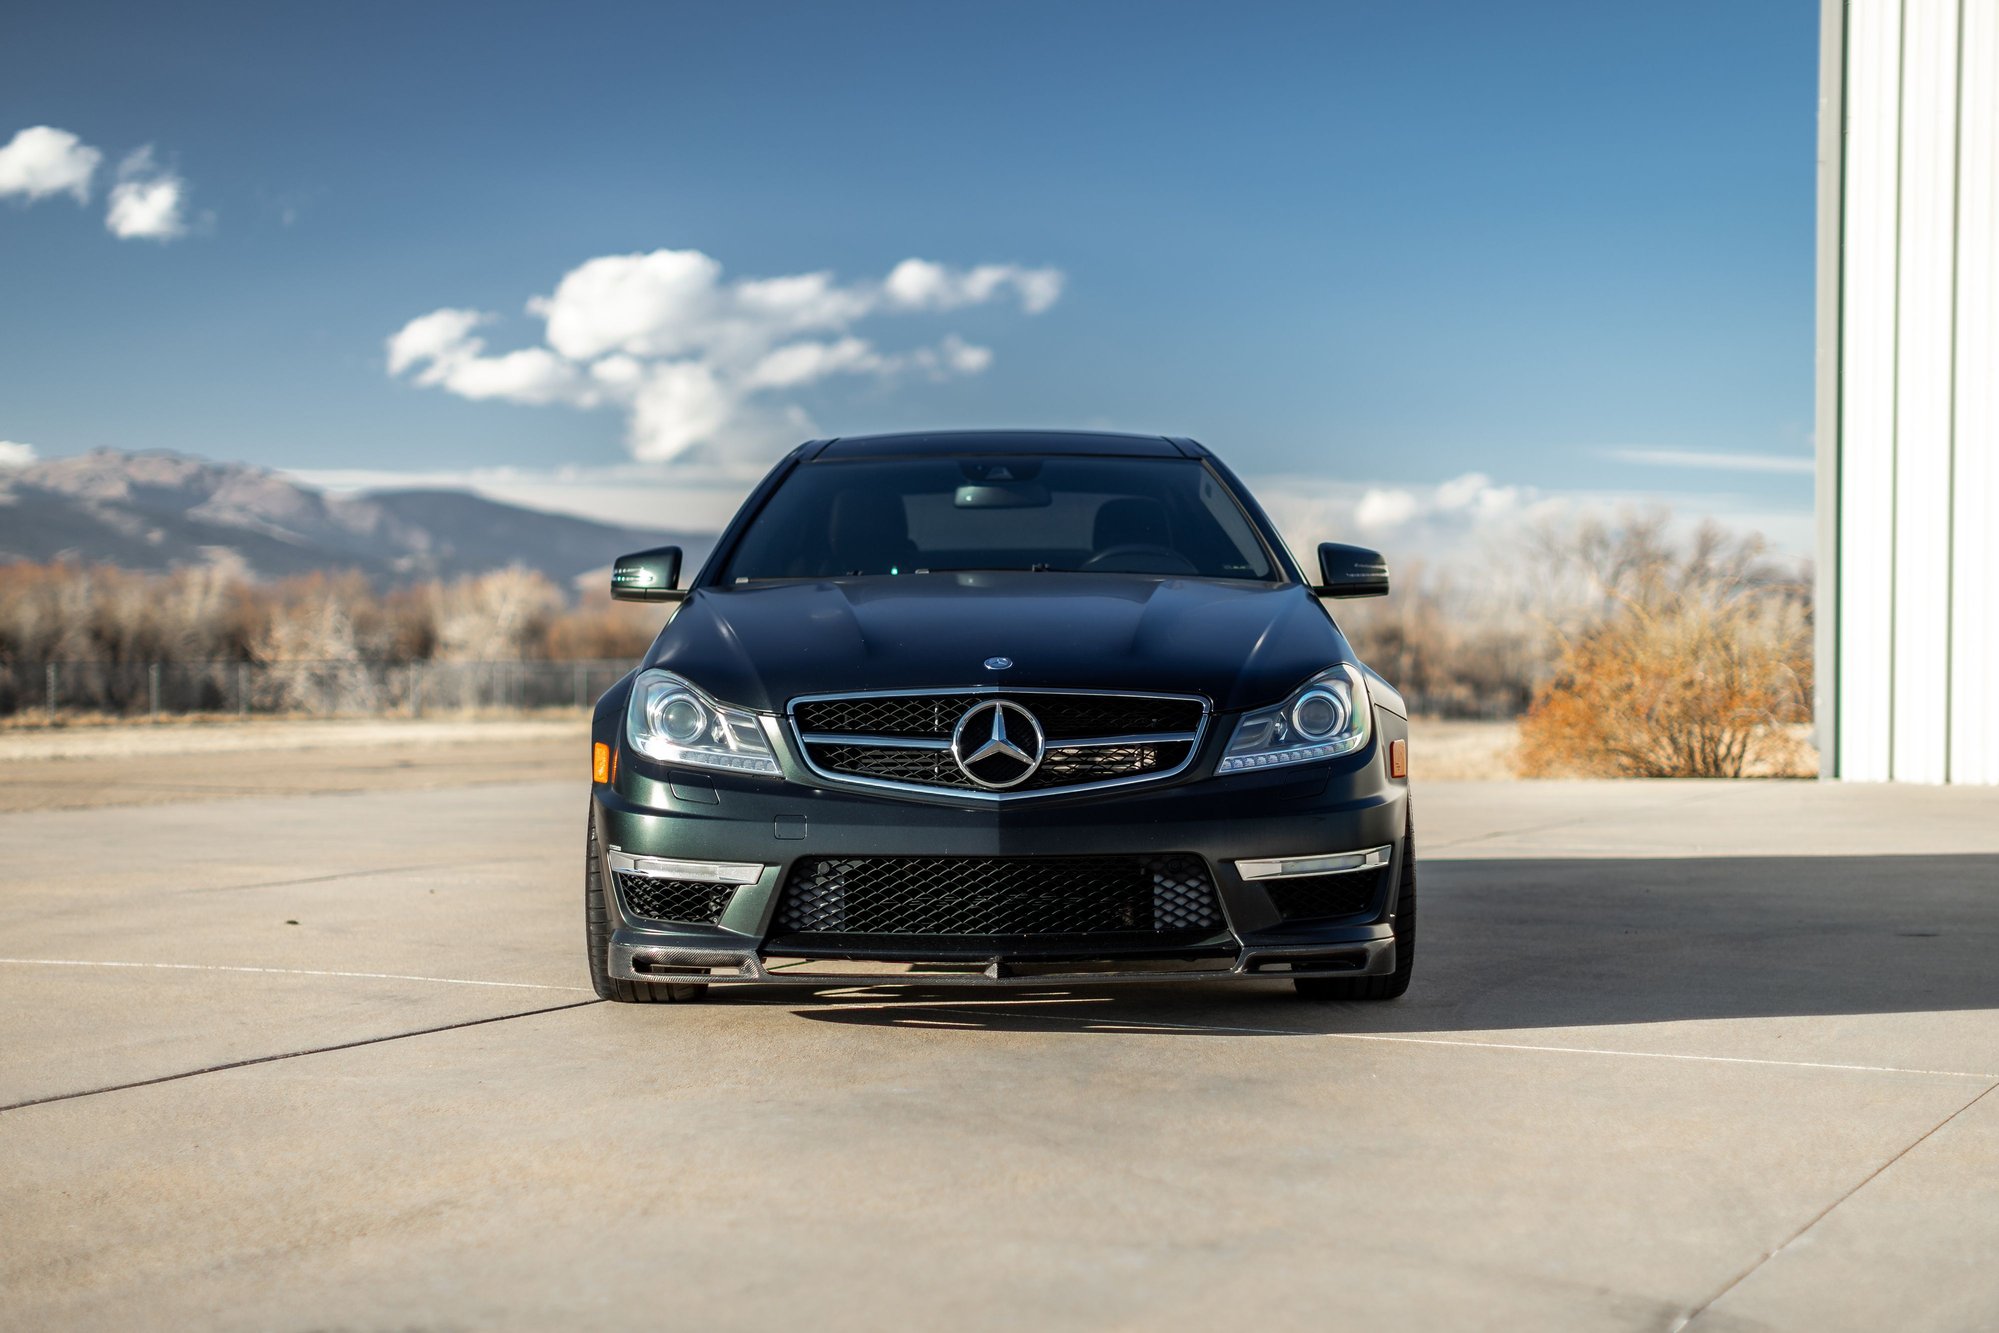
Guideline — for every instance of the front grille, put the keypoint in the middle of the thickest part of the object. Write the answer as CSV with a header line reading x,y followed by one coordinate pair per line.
x,y
682,900
1062,716
998,896
1318,897
1061,768
903,739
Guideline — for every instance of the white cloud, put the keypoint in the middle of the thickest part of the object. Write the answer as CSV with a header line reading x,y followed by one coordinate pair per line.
x,y
803,362
700,363
41,161
451,357
13,454
440,337
148,202
680,404
643,305
1380,510
1696,458
963,357
918,284
1462,503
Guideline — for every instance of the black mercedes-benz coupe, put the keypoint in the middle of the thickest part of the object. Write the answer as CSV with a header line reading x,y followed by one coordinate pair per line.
x,y
1000,707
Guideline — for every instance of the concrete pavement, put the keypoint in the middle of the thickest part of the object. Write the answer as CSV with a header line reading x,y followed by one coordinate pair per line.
x,y
1707,1051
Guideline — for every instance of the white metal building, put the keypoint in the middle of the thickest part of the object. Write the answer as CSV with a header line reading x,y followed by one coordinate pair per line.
x,y
1908,399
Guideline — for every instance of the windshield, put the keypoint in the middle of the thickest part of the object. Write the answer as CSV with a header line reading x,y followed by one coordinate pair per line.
x,y
914,516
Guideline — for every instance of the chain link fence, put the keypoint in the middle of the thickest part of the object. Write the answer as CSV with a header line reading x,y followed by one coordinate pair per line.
x,y
299,689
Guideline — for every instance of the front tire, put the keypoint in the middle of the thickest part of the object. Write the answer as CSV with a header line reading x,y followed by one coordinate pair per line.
x,y
1396,982
597,943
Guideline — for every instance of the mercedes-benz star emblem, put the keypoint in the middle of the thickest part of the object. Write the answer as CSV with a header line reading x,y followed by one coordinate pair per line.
x,y
998,744
998,663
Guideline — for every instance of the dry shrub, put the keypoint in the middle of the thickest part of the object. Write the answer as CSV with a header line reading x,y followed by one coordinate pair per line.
x,y
310,640
1696,663
1451,651
600,629
323,641
502,616
100,613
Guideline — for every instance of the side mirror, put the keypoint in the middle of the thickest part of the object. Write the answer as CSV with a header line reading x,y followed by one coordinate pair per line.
x,y
647,576
1351,571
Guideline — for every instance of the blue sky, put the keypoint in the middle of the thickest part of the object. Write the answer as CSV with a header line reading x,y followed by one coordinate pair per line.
x,y
1376,246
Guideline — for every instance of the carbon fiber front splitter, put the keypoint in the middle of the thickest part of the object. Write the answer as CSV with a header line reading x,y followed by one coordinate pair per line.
x,y
633,959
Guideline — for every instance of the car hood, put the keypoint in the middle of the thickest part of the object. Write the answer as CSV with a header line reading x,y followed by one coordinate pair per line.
x,y
1240,644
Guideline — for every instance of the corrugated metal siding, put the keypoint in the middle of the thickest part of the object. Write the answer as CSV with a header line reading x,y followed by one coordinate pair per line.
x,y
1974,712
1922,445
1867,386
1917,568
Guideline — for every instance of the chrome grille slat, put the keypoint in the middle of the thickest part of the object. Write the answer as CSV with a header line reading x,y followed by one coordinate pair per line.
x,y
883,742
1096,742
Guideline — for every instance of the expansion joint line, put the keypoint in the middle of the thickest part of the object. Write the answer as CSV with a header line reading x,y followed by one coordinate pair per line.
x,y
1826,1211
293,1055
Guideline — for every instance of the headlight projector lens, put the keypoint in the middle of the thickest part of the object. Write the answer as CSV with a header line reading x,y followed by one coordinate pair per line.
x,y
1318,714
683,718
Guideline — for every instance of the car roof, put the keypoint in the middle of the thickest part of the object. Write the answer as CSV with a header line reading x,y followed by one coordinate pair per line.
x,y
1006,442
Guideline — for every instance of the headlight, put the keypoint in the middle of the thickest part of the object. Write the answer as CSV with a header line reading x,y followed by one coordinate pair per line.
x,y
1329,715
668,719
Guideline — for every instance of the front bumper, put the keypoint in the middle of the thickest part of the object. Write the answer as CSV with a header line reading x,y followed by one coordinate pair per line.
x,y
1347,804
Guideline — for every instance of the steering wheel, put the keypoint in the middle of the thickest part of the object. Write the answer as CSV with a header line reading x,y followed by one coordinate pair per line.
x,y
1139,558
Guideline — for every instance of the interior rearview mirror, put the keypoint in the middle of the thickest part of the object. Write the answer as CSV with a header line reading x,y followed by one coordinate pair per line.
x,y
1002,495
647,576
1351,571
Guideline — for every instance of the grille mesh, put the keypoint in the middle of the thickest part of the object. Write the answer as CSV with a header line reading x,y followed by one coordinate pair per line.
x,y
674,899
1315,897
931,715
1006,896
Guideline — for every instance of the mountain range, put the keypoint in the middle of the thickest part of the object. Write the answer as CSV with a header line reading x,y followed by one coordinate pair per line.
x,y
158,510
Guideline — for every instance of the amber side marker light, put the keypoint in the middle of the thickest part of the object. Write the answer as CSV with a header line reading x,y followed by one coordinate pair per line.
x,y
600,762
1398,759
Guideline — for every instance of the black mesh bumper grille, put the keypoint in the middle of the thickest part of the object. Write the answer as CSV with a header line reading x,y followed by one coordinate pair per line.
x,y
1317,897
679,900
998,896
